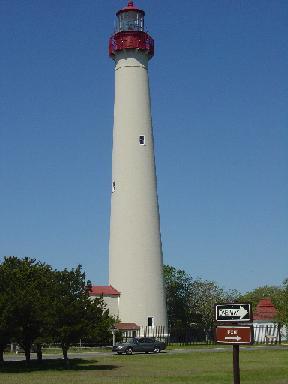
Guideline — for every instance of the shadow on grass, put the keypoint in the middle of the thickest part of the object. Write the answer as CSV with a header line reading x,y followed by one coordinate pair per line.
x,y
54,365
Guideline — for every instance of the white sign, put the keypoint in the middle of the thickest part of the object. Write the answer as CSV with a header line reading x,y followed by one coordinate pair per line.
x,y
233,312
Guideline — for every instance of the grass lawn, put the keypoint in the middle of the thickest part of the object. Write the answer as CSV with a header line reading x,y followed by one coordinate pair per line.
x,y
257,367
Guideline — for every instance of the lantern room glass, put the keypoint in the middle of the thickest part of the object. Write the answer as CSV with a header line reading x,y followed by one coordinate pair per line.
x,y
130,21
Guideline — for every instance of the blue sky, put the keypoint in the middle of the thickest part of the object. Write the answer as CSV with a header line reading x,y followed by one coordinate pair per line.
x,y
219,102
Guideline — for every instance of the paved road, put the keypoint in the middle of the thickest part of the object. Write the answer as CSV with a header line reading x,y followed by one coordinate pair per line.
x,y
87,355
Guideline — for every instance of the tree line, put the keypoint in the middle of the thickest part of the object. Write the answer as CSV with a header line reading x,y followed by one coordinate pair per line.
x,y
190,301
39,304
278,296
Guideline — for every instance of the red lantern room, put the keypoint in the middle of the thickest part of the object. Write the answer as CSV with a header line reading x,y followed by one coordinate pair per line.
x,y
130,32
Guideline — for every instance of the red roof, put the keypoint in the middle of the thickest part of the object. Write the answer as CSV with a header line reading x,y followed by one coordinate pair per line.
x,y
103,290
265,310
127,326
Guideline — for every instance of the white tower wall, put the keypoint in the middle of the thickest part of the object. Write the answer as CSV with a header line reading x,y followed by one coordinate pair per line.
x,y
135,252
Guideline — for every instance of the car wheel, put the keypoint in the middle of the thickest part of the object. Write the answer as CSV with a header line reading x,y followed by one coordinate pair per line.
x,y
156,350
119,353
129,351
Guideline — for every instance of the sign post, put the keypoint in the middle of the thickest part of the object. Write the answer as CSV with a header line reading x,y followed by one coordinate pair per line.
x,y
236,365
234,328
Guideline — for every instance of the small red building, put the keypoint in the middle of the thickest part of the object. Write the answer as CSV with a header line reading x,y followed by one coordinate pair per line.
x,y
266,327
110,296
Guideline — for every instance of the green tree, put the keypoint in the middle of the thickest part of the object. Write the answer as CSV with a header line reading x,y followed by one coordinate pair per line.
x,y
6,331
203,296
39,304
99,323
75,316
283,304
191,301
6,310
177,286
271,291
28,283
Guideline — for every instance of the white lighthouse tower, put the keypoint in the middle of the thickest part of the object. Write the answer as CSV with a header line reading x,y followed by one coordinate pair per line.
x,y
135,252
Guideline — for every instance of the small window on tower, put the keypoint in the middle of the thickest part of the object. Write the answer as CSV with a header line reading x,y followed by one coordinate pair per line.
x,y
150,321
142,140
113,186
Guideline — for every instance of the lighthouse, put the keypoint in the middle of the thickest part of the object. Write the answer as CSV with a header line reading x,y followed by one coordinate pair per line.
x,y
135,251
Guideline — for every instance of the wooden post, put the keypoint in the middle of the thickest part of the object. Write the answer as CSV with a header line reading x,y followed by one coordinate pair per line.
x,y
236,366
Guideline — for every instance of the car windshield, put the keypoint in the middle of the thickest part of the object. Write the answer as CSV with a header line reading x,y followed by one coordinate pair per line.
x,y
130,340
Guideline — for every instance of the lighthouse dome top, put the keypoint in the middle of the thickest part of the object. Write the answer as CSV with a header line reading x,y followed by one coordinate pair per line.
x,y
130,18
130,7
